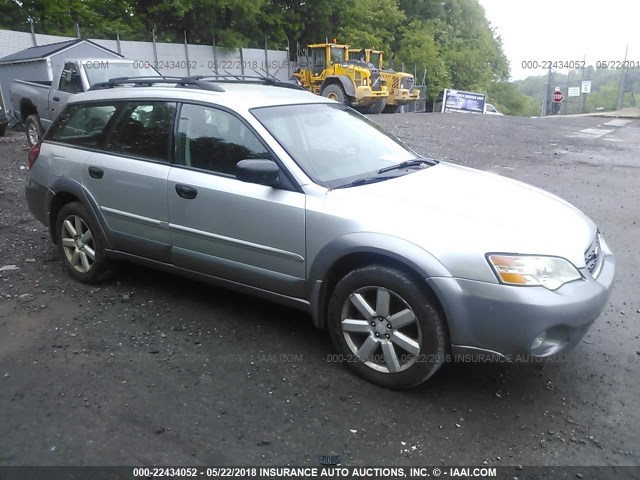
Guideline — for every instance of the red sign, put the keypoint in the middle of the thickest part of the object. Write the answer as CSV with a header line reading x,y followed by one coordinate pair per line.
x,y
557,97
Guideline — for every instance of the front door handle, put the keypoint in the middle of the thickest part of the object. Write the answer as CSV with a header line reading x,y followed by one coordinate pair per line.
x,y
185,191
56,99
96,172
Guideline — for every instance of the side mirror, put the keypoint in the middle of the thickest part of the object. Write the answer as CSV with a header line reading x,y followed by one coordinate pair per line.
x,y
263,172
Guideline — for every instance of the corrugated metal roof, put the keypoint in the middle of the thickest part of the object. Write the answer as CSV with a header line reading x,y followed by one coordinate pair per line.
x,y
43,51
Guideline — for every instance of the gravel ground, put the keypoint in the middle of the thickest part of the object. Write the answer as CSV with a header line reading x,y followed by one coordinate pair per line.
x,y
153,369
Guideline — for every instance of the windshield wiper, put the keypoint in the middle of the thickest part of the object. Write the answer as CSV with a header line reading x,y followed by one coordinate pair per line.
x,y
364,181
409,163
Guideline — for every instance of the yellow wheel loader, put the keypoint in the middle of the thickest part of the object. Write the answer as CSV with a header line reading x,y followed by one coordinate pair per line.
x,y
400,84
325,70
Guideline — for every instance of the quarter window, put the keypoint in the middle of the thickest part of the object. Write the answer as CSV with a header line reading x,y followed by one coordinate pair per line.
x,y
82,125
215,140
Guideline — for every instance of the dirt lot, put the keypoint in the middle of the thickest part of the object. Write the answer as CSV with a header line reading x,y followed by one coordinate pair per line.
x,y
153,369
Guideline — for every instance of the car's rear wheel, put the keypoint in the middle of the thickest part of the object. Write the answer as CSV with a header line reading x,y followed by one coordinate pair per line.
x,y
386,328
3,130
80,244
33,129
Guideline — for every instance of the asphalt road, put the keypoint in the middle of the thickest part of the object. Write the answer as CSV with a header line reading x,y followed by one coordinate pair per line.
x,y
154,369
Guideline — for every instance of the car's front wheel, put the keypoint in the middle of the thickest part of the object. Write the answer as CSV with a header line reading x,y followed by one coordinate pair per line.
x,y
80,244
386,328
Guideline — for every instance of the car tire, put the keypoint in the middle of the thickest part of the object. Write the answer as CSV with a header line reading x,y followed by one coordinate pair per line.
x,y
3,130
33,129
335,92
377,107
80,244
391,108
386,328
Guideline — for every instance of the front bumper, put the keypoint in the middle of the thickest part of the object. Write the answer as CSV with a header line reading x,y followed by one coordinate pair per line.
x,y
366,96
502,321
403,96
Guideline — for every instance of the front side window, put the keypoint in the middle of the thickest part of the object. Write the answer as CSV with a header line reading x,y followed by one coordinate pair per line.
x,y
143,129
332,143
318,59
375,60
82,124
70,80
215,140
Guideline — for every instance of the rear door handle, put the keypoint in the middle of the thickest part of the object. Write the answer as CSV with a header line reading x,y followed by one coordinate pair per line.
x,y
56,99
96,172
186,191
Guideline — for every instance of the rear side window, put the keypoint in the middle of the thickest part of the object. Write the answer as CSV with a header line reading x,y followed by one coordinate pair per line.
x,y
143,129
137,129
70,80
82,125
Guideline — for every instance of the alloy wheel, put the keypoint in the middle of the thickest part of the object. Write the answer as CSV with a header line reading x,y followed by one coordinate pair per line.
x,y
77,243
381,329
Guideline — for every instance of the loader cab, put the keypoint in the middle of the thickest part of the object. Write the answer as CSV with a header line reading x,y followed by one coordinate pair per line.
x,y
376,57
325,55
367,55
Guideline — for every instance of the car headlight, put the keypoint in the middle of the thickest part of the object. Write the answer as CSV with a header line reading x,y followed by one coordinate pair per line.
x,y
548,272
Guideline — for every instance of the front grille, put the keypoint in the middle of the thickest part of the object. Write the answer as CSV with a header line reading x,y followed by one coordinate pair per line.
x,y
376,84
593,256
407,82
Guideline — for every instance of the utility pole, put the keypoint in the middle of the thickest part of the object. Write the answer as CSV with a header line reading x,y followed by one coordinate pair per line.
x,y
566,102
582,95
215,54
547,86
266,57
622,81
33,32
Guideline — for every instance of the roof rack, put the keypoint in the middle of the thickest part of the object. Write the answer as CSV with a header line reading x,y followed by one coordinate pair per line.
x,y
231,78
149,81
208,82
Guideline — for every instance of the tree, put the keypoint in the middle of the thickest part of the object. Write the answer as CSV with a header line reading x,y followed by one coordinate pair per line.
x,y
370,23
95,17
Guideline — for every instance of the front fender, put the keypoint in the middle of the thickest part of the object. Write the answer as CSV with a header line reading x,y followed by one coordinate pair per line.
x,y
396,249
345,81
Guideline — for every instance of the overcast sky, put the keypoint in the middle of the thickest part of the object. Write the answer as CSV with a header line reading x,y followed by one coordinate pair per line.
x,y
565,30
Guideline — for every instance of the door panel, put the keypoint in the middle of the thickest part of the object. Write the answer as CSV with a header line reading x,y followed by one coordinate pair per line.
x,y
248,233
132,196
129,180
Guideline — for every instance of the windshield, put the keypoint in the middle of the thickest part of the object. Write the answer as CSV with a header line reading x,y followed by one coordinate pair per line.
x,y
104,70
338,54
333,144
375,59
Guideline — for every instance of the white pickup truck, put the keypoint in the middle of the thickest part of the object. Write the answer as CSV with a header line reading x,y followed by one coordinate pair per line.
x,y
38,103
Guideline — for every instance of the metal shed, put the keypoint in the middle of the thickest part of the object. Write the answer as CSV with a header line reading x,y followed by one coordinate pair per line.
x,y
43,63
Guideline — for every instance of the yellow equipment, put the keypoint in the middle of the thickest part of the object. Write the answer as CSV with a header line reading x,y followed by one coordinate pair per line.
x,y
326,70
400,84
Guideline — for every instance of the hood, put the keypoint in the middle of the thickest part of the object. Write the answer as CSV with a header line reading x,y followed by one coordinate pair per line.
x,y
459,214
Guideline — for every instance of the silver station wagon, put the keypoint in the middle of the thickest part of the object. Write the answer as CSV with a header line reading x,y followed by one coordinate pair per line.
x,y
270,190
